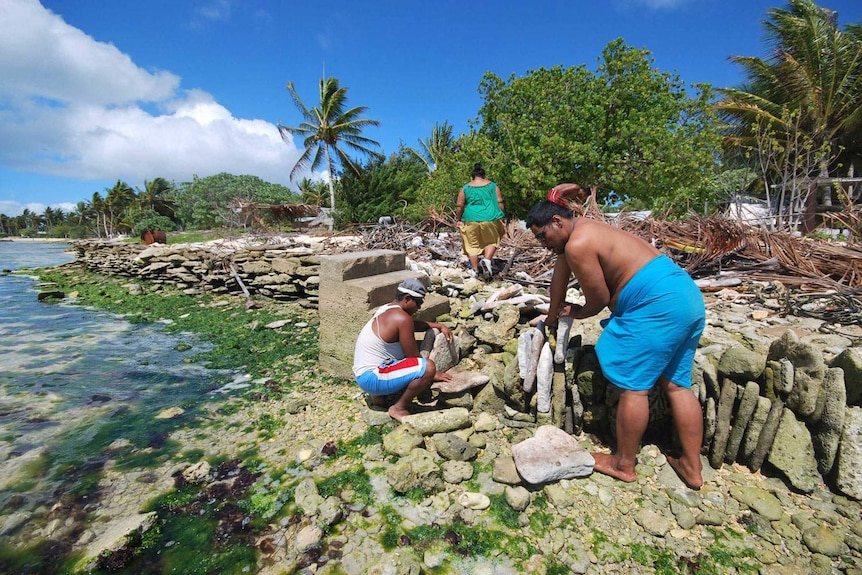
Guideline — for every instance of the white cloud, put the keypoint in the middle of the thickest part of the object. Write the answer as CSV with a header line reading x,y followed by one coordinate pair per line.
x,y
12,209
75,107
215,10
655,4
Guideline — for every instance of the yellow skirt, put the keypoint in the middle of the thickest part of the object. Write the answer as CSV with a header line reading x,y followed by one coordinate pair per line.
x,y
476,235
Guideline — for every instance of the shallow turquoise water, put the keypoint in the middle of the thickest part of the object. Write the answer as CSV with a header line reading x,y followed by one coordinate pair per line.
x,y
73,380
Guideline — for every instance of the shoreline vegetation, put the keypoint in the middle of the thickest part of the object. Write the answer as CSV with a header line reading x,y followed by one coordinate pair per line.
x,y
287,474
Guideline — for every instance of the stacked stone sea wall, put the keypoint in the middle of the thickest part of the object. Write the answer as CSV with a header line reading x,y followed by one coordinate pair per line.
x,y
789,411
786,406
284,271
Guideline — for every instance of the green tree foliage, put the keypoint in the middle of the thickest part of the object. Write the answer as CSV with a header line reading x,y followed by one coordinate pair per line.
x,y
809,90
156,197
206,203
627,128
382,188
329,130
152,220
314,192
440,190
117,200
436,148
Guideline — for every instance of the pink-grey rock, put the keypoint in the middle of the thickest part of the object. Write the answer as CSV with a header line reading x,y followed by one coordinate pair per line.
x,y
550,455
461,381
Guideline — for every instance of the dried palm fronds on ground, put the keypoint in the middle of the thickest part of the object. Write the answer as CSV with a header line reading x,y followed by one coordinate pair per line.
x,y
709,246
825,277
703,246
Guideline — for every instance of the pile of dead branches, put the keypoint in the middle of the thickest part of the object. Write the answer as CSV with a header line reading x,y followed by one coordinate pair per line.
x,y
826,275
713,246
702,246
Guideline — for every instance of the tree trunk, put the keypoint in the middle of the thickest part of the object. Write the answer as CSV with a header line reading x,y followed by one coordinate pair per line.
x,y
827,189
809,221
331,189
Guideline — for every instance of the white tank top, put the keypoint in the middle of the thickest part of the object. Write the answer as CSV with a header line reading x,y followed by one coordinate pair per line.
x,y
371,351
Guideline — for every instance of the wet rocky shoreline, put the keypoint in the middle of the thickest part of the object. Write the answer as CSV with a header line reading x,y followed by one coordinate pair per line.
x,y
412,484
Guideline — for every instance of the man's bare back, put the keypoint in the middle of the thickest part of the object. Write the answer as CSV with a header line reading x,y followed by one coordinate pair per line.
x,y
603,259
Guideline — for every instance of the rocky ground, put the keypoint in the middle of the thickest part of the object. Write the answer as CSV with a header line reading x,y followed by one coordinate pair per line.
x,y
337,487
476,515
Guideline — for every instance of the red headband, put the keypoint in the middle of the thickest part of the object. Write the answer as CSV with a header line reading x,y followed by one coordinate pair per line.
x,y
554,196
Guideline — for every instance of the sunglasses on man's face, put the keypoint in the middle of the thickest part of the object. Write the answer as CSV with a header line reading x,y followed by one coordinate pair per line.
x,y
419,301
542,235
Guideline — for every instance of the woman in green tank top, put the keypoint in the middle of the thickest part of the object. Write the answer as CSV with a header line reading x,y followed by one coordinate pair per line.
x,y
480,214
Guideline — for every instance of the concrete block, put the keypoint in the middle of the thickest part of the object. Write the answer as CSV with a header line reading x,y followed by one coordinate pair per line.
x,y
353,265
352,285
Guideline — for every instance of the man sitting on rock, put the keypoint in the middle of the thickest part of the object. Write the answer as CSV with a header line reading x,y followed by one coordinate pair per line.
x,y
386,359
657,316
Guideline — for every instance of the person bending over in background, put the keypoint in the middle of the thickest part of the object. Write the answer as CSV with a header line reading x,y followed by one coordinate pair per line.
x,y
480,214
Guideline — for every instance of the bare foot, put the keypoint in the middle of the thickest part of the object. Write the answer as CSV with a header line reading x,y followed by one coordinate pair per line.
x,y
692,478
606,464
397,413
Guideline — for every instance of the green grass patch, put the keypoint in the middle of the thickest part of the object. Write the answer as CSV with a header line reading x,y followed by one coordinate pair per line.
x,y
268,425
353,449
503,512
42,557
176,499
355,478
716,559
417,495
194,551
267,502
236,334
540,521
464,540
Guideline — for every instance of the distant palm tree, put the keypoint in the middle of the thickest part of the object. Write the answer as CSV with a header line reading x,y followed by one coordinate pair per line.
x,y
328,129
312,192
155,197
97,208
435,148
81,213
118,198
813,79
50,216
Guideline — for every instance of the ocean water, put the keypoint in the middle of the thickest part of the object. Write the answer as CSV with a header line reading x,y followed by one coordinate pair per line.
x,y
74,379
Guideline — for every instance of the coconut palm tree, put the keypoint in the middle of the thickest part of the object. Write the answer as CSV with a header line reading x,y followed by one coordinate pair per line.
x,y
97,208
118,198
812,82
435,148
155,197
81,213
49,216
327,130
312,192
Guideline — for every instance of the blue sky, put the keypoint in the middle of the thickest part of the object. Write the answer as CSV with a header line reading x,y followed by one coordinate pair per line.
x,y
94,91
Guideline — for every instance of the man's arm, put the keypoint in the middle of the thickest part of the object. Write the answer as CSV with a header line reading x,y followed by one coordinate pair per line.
x,y
407,335
559,285
426,325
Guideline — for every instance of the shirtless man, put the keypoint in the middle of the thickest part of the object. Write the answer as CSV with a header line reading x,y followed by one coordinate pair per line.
x,y
656,321
386,359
